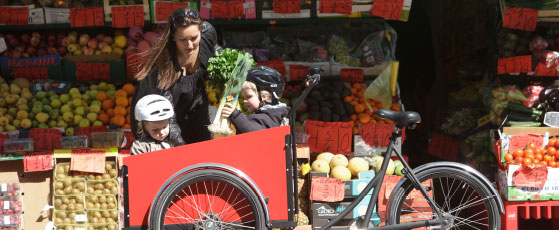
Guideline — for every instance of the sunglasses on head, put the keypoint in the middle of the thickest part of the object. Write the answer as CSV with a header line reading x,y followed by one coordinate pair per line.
x,y
180,17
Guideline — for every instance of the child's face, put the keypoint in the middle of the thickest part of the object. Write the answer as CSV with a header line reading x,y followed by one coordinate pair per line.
x,y
158,130
250,99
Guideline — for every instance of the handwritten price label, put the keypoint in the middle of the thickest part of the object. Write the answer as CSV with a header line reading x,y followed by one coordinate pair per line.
x,y
544,71
444,147
327,189
127,16
520,18
276,64
38,161
520,141
336,6
389,9
14,15
89,71
29,73
532,177
518,64
90,16
287,6
85,160
298,72
352,75
227,9
376,134
164,9
332,137
87,131
45,139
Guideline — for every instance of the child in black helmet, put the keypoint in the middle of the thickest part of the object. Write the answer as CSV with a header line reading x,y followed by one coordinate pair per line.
x,y
261,93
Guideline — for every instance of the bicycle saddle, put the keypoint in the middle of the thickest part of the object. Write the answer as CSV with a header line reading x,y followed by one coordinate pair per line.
x,y
409,119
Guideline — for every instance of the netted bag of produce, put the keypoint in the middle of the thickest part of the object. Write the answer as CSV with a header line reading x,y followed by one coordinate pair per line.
x,y
378,47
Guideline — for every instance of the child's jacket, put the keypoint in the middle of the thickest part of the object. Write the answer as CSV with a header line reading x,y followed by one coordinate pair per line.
x,y
267,116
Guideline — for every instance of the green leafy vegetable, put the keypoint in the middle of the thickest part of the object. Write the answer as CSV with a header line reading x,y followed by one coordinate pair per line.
x,y
221,67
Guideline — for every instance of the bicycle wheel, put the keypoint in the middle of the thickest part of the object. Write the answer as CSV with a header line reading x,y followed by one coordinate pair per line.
x,y
465,198
208,199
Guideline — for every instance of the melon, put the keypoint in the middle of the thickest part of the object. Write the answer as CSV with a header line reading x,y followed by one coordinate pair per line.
x,y
341,172
338,160
320,165
389,169
326,156
357,164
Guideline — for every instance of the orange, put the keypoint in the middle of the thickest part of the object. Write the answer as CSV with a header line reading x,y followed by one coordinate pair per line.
x,y
128,110
120,110
101,95
357,86
127,119
121,93
103,117
111,112
118,120
354,117
126,126
359,108
381,122
122,101
364,118
129,88
348,99
130,100
353,103
353,91
355,130
395,107
107,104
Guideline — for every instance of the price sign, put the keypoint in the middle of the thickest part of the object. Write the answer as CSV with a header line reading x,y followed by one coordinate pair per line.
x,y
164,9
352,75
332,137
389,9
336,6
327,189
444,147
14,15
518,64
520,18
287,6
38,161
298,72
45,139
89,71
520,141
31,73
86,131
376,134
90,16
544,71
531,177
227,9
127,16
129,139
276,64
86,160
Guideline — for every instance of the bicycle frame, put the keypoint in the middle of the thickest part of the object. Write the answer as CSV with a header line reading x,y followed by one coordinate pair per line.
x,y
376,183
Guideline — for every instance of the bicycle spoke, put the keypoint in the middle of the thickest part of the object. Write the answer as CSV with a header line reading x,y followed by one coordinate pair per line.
x,y
237,225
240,218
226,211
468,205
208,198
462,200
470,222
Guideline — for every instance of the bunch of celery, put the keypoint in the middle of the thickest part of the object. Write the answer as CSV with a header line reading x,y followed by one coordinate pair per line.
x,y
231,93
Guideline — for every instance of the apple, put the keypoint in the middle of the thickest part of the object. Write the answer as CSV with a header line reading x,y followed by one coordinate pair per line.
x,y
51,38
52,50
35,41
101,45
84,39
12,42
108,40
60,36
25,38
78,52
97,52
8,53
20,48
42,44
31,50
88,51
51,43
100,37
65,41
92,43
41,52
36,34
107,50
17,54
73,48
62,50
25,55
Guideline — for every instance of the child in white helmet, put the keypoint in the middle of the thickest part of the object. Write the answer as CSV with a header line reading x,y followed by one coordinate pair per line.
x,y
152,113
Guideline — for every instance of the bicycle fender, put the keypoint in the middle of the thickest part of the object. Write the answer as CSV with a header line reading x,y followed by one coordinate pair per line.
x,y
462,167
222,167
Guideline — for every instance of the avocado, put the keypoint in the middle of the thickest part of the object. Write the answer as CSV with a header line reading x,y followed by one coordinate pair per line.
x,y
315,116
325,110
335,117
327,117
314,108
349,109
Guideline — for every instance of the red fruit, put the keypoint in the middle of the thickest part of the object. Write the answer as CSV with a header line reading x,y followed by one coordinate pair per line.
x,y
52,50
51,38
551,142
552,164
17,54
62,50
25,38
41,52
31,50
35,41
551,151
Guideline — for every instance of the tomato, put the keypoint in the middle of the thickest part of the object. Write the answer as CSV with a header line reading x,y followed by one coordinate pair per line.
x,y
551,151
546,157
529,155
551,142
536,161
538,156
556,143
527,161
519,160
552,164
540,150
508,157
531,145
518,153
529,151
544,163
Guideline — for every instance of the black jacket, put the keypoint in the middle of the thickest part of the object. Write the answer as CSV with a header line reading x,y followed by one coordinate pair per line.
x,y
197,101
263,118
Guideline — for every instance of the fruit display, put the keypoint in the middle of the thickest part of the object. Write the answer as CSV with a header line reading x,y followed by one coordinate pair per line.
x,y
69,203
10,189
125,2
14,107
139,40
11,205
102,217
102,226
535,155
69,217
394,166
33,44
339,166
10,222
86,44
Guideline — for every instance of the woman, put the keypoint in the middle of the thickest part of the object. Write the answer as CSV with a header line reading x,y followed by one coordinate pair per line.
x,y
176,69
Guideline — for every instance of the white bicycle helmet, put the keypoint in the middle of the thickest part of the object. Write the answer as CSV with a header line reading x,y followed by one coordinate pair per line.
x,y
153,107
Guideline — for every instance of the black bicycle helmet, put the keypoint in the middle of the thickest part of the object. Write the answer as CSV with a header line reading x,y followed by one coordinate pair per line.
x,y
266,78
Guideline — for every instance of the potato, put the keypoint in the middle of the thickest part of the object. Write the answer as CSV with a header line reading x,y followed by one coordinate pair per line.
x,y
61,215
63,207
111,206
114,190
106,176
98,177
111,227
104,206
94,220
68,190
90,190
58,185
79,206
57,202
71,207
67,220
99,186
114,214
113,173
80,186
102,199
72,201
58,220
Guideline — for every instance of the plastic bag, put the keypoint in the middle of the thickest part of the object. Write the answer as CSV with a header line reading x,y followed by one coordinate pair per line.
x,y
378,47
379,89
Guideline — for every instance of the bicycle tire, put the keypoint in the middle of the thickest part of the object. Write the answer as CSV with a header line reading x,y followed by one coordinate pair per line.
x,y
207,199
448,186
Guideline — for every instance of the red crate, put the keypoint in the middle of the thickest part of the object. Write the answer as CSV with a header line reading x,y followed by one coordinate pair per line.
x,y
529,210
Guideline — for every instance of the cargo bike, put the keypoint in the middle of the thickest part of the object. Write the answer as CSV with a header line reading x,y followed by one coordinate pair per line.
x,y
249,181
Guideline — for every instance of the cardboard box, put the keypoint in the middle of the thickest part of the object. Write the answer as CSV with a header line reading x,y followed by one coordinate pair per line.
x,y
323,210
415,200
362,9
353,187
57,15
248,9
117,68
266,8
161,8
513,138
550,190
109,16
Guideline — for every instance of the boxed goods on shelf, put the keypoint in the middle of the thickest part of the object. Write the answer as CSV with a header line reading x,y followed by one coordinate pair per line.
x,y
18,146
10,189
69,217
74,142
11,205
161,10
542,187
228,9
269,11
11,222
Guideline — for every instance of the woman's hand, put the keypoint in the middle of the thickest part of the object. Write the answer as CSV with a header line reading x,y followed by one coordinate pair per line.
x,y
227,110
